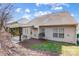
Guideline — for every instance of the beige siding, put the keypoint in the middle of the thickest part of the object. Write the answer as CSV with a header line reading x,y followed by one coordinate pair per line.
x,y
30,33
69,34
34,33
26,31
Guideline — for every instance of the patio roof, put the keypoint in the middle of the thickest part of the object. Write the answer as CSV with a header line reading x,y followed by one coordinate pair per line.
x,y
20,23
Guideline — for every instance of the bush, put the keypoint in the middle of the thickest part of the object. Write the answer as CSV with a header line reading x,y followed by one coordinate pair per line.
x,y
77,35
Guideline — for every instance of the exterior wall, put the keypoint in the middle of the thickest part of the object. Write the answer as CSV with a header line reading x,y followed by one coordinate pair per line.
x,y
34,33
30,33
69,34
26,32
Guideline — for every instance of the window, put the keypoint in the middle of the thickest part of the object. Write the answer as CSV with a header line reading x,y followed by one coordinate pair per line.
x,y
61,32
42,34
55,34
31,32
43,30
24,31
27,30
58,32
61,35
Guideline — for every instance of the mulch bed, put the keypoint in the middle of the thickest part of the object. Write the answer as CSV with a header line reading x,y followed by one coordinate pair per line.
x,y
29,42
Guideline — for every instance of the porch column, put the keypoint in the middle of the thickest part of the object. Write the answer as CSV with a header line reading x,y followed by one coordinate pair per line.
x,y
20,33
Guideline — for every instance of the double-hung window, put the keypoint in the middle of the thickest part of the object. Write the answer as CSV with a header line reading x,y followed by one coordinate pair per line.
x,y
58,32
27,30
42,34
55,32
24,31
61,32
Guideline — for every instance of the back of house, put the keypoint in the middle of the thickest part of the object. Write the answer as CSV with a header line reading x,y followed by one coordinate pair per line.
x,y
55,26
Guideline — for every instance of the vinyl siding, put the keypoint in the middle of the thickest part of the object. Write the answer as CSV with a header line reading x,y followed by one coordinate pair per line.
x,y
30,33
26,31
69,34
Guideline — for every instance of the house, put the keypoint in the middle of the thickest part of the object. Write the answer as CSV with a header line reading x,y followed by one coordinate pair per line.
x,y
59,26
15,27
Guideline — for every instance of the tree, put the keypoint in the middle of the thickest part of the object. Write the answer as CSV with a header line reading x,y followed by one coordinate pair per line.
x,y
5,14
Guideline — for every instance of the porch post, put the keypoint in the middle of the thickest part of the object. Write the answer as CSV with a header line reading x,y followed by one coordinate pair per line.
x,y
20,33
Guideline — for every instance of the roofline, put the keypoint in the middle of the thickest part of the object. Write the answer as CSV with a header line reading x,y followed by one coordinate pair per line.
x,y
52,25
60,25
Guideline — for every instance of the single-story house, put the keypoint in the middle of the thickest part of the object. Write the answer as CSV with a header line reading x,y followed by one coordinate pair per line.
x,y
15,27
59,26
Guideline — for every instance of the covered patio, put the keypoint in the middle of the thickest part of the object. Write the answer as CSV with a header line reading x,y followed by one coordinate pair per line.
x,y
16,30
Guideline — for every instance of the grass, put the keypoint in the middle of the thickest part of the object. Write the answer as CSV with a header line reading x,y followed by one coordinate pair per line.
x,y
51,46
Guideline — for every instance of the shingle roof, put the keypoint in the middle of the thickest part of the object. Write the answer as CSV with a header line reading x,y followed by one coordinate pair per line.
x,y
20,23
23,21
63,18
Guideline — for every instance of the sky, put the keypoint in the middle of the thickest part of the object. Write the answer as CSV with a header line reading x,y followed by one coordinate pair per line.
x,y
32,10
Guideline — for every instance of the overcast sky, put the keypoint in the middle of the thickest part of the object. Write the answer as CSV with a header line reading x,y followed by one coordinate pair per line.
x,y
32,10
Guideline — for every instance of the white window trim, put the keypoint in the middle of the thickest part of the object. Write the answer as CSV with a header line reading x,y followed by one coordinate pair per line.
x,y
58,31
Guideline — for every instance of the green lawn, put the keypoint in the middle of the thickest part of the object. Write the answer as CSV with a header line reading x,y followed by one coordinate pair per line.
x,y
61,48
51,46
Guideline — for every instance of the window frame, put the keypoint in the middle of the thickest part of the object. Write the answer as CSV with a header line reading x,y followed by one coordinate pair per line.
x,y
59,31
42,34
54,35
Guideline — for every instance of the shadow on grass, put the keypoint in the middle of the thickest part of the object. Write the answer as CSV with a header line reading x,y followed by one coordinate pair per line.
x,y
53,47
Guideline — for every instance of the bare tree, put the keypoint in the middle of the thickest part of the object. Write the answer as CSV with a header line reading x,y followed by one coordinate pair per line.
x,y
5,14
